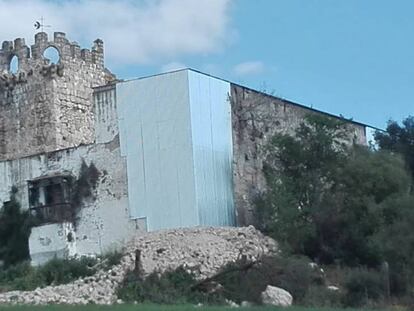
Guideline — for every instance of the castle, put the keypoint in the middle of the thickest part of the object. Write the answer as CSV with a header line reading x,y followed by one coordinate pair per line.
x,y
98,160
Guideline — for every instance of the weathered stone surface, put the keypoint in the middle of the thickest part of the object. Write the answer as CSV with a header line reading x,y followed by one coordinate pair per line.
x,y
276,296
44,106
256,117
202,251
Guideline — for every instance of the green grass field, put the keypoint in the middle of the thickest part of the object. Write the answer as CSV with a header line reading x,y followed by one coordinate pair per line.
x,y
148,308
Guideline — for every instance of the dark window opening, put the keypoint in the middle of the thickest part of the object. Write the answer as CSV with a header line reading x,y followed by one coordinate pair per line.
x,y
54,194
49,199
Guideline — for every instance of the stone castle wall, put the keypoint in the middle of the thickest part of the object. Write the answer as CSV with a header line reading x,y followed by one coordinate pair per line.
x,y
256,117
45,106
104,222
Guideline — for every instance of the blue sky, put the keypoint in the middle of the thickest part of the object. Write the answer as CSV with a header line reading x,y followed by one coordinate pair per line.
x,y
353,57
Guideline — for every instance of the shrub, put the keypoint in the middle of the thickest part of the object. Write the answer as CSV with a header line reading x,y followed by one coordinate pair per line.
x,y
21,276
363,287
241,283
15,226
296,277
57,271
60,271
244,282
325,199
171,287
112,258
321,296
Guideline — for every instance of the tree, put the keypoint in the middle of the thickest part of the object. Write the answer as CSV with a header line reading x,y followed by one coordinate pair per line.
x,y
395,240
15,226
324,194
399,139
365,181
298,169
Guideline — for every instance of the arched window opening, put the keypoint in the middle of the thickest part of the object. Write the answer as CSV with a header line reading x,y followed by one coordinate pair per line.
x,y
52,54
14,65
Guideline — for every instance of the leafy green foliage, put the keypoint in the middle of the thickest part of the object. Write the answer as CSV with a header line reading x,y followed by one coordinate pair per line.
x,y
155,307
396,242
344,204
15,226
399,139
19,277
246,283
112,258
363,287
325,197
320,296
57,271
298,169
236,281
170,287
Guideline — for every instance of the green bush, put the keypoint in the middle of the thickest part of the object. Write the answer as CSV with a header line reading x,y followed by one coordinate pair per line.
x,y
57,271
171,287
243,282
363,288
297,276
20,277
321,297
112,258
15,226
16,271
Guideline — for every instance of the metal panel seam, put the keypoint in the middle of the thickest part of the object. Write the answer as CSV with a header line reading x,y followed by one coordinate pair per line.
x,y
190,104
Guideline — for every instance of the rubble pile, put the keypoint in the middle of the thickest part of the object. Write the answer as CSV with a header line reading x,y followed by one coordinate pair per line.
x,y
201,251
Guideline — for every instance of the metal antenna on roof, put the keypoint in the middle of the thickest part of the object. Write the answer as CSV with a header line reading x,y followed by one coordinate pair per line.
x,y
41,25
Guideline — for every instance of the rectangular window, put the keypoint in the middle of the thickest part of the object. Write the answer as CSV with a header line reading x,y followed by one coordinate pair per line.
x,y
50,198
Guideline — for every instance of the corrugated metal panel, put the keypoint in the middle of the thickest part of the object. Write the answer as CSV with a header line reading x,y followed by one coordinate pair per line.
x,y
212,149
155,133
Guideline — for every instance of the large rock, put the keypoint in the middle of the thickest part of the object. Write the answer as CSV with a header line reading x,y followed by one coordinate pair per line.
x,y
276,296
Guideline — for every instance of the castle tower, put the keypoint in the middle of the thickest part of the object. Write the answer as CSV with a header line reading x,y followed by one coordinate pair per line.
x,y
47,106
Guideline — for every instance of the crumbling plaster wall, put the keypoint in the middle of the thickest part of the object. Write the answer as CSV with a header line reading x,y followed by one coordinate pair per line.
x,y
44,106
256,117
52,241
104,221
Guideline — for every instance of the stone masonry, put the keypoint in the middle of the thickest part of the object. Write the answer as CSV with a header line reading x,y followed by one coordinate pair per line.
x,y
256,117
48,106
56,116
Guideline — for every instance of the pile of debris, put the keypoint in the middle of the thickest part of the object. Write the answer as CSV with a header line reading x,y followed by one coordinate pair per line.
x,y
201,251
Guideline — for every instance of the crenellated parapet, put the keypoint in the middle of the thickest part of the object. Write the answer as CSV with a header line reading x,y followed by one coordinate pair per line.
x,y
31,60
46,105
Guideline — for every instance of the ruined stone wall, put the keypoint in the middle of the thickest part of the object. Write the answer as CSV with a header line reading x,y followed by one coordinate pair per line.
x,y
46,106
103,221
256,117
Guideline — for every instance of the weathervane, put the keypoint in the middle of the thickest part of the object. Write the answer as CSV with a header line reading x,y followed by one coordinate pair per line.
x,y
41,24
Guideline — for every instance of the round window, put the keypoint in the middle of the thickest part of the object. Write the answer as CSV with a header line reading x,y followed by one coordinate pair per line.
x,y
52,54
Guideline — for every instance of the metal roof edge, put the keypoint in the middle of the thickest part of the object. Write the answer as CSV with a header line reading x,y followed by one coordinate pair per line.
x,y
253,90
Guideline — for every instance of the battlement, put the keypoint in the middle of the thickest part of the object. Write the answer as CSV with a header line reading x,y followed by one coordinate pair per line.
x,y
46,104
32,58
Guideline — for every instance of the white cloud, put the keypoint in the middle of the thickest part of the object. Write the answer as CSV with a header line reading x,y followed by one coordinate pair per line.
x,y
134,32
213,69
173,66
249,68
